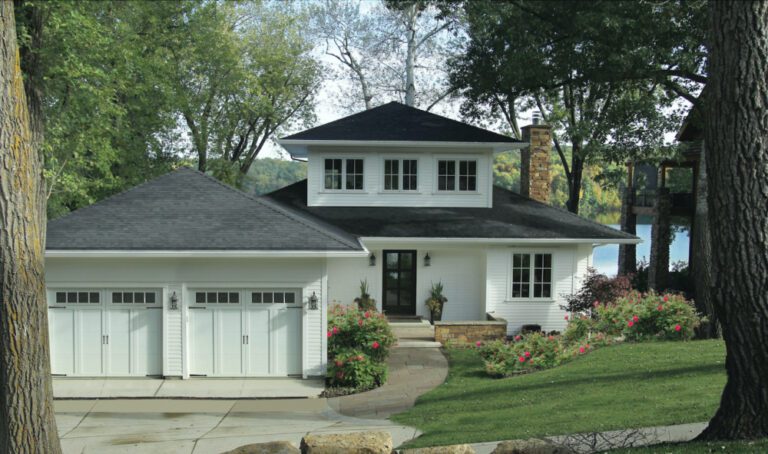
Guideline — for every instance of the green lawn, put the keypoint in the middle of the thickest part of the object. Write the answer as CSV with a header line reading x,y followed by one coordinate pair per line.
x,y
623,386
728,447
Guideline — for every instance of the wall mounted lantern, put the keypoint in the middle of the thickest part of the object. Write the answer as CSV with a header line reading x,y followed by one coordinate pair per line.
x,y
174,302
372,259
427,260
313,302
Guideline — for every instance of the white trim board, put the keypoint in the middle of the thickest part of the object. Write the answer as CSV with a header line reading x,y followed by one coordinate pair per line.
x,y
208,253
508,241
299,148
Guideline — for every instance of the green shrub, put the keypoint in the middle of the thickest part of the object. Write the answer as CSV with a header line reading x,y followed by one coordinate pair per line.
x,y
526,353
354,333
648,316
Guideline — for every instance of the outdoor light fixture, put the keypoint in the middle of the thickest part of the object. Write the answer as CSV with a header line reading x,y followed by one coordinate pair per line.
x,y
427,260
372,259
313,302
174,301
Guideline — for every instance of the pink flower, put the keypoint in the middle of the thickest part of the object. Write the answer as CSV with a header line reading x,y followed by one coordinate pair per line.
x,y
375,345
581,350
566,317
367,314
631,324
478,344
678,328
596,303
551,338
661,308
666,298
518,337
527,354
335,330
360,322
635,318
330,334
521,359
339,363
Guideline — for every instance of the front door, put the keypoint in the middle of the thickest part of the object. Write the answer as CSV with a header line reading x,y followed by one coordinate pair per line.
x,y
399,283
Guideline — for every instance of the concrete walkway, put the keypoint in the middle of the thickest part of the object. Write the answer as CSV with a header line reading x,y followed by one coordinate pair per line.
x,y
200,426
413,370
195,388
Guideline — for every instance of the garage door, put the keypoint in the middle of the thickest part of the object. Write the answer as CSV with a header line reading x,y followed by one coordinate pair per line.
x,y
236,332
105,332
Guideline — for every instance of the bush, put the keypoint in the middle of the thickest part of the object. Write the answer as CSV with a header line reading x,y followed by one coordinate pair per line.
x,y
646,316
597,287
359,343
526,353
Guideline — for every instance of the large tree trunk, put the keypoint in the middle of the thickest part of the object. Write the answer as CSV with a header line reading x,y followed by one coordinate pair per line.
x,y
410,56
574,186
737,168
27,423
701,255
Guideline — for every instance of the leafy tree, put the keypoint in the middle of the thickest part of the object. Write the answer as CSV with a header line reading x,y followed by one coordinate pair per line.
x,y
737,168
268,174
27,422
601,121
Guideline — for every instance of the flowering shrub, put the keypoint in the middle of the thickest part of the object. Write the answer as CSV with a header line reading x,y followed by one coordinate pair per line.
x,y
358,346
597,287
634,317
646,316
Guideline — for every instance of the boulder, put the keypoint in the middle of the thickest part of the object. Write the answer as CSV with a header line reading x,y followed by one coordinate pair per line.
x,y
451,449
530,446
272,447
349,443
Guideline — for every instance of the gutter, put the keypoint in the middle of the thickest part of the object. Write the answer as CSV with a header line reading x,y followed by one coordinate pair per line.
x,y
85,253
502,241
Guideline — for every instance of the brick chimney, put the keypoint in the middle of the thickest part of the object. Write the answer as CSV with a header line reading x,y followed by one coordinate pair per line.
x,y
535,179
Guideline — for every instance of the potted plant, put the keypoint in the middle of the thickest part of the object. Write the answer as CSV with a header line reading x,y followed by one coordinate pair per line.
x,y
364,301
435,302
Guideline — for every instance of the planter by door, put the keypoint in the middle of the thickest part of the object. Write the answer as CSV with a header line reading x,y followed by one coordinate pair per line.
x,y
399,295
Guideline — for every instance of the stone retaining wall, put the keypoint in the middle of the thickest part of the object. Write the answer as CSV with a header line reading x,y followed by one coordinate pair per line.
x,y
471,331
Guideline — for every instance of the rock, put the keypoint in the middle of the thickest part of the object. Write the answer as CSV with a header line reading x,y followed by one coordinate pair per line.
x,y
349,443
272,447
531,446
451,449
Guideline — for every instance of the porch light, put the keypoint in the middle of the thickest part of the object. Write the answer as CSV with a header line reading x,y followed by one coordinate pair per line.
x,y
372,259
313,302
174,301
427,260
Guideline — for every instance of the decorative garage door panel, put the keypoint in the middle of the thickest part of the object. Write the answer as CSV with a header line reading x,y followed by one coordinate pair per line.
x,y
105,332
236,332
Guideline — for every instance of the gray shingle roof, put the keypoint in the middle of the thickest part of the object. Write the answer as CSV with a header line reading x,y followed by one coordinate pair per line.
x,y
512,217
188,210
398,122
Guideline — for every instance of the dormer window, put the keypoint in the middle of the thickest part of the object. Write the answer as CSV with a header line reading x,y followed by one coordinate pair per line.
x,y
400,174
447,175
348,171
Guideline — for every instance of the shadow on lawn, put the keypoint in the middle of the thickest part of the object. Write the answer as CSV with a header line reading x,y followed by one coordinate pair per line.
x,y
602,380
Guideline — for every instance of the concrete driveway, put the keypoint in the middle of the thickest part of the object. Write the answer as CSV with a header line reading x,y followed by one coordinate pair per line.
x,y
200,426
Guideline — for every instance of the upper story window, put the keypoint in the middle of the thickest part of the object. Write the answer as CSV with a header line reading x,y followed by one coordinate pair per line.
x,y
400,174
447,175
531,271
347,171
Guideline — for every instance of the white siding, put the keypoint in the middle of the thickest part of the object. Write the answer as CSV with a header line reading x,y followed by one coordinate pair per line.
x,y
569,265
181,274
373,193
462,272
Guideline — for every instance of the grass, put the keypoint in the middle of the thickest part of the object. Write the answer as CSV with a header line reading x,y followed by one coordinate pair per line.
x,y
728,447
623,386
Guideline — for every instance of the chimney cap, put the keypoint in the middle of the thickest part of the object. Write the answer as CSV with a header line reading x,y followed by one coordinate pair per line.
x,y
536,118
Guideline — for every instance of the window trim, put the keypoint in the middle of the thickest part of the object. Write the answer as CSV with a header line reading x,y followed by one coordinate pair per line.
x,y
532,267
456,175
400,175
343,189
245,297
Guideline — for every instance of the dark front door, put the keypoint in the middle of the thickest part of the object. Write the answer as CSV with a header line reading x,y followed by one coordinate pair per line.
x,y
399,283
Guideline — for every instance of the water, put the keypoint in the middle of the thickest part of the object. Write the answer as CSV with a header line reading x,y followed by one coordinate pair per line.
x,y
606,258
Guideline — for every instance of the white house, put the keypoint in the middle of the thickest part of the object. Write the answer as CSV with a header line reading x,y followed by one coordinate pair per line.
x,y
184,276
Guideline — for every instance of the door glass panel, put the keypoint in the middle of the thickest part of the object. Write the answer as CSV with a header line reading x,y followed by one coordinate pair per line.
x,y
391,260
406,298
406,261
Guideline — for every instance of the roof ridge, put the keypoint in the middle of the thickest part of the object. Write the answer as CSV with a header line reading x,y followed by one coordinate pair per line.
x,y
280,210
562,210
124,191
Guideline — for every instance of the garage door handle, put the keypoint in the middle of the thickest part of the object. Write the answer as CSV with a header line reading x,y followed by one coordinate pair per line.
x,y
245,340
106,339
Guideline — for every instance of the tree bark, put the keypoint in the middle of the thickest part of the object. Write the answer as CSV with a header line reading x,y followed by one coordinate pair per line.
x,y
27,423
701,255
410,57
737,167
574,182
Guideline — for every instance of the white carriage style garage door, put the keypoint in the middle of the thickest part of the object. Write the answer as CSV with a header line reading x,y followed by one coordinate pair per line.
x,y
238,332
105,332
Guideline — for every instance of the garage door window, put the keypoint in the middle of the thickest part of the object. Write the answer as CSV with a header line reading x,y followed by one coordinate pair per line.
x,y
78,297
274,297
135,296
217,297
